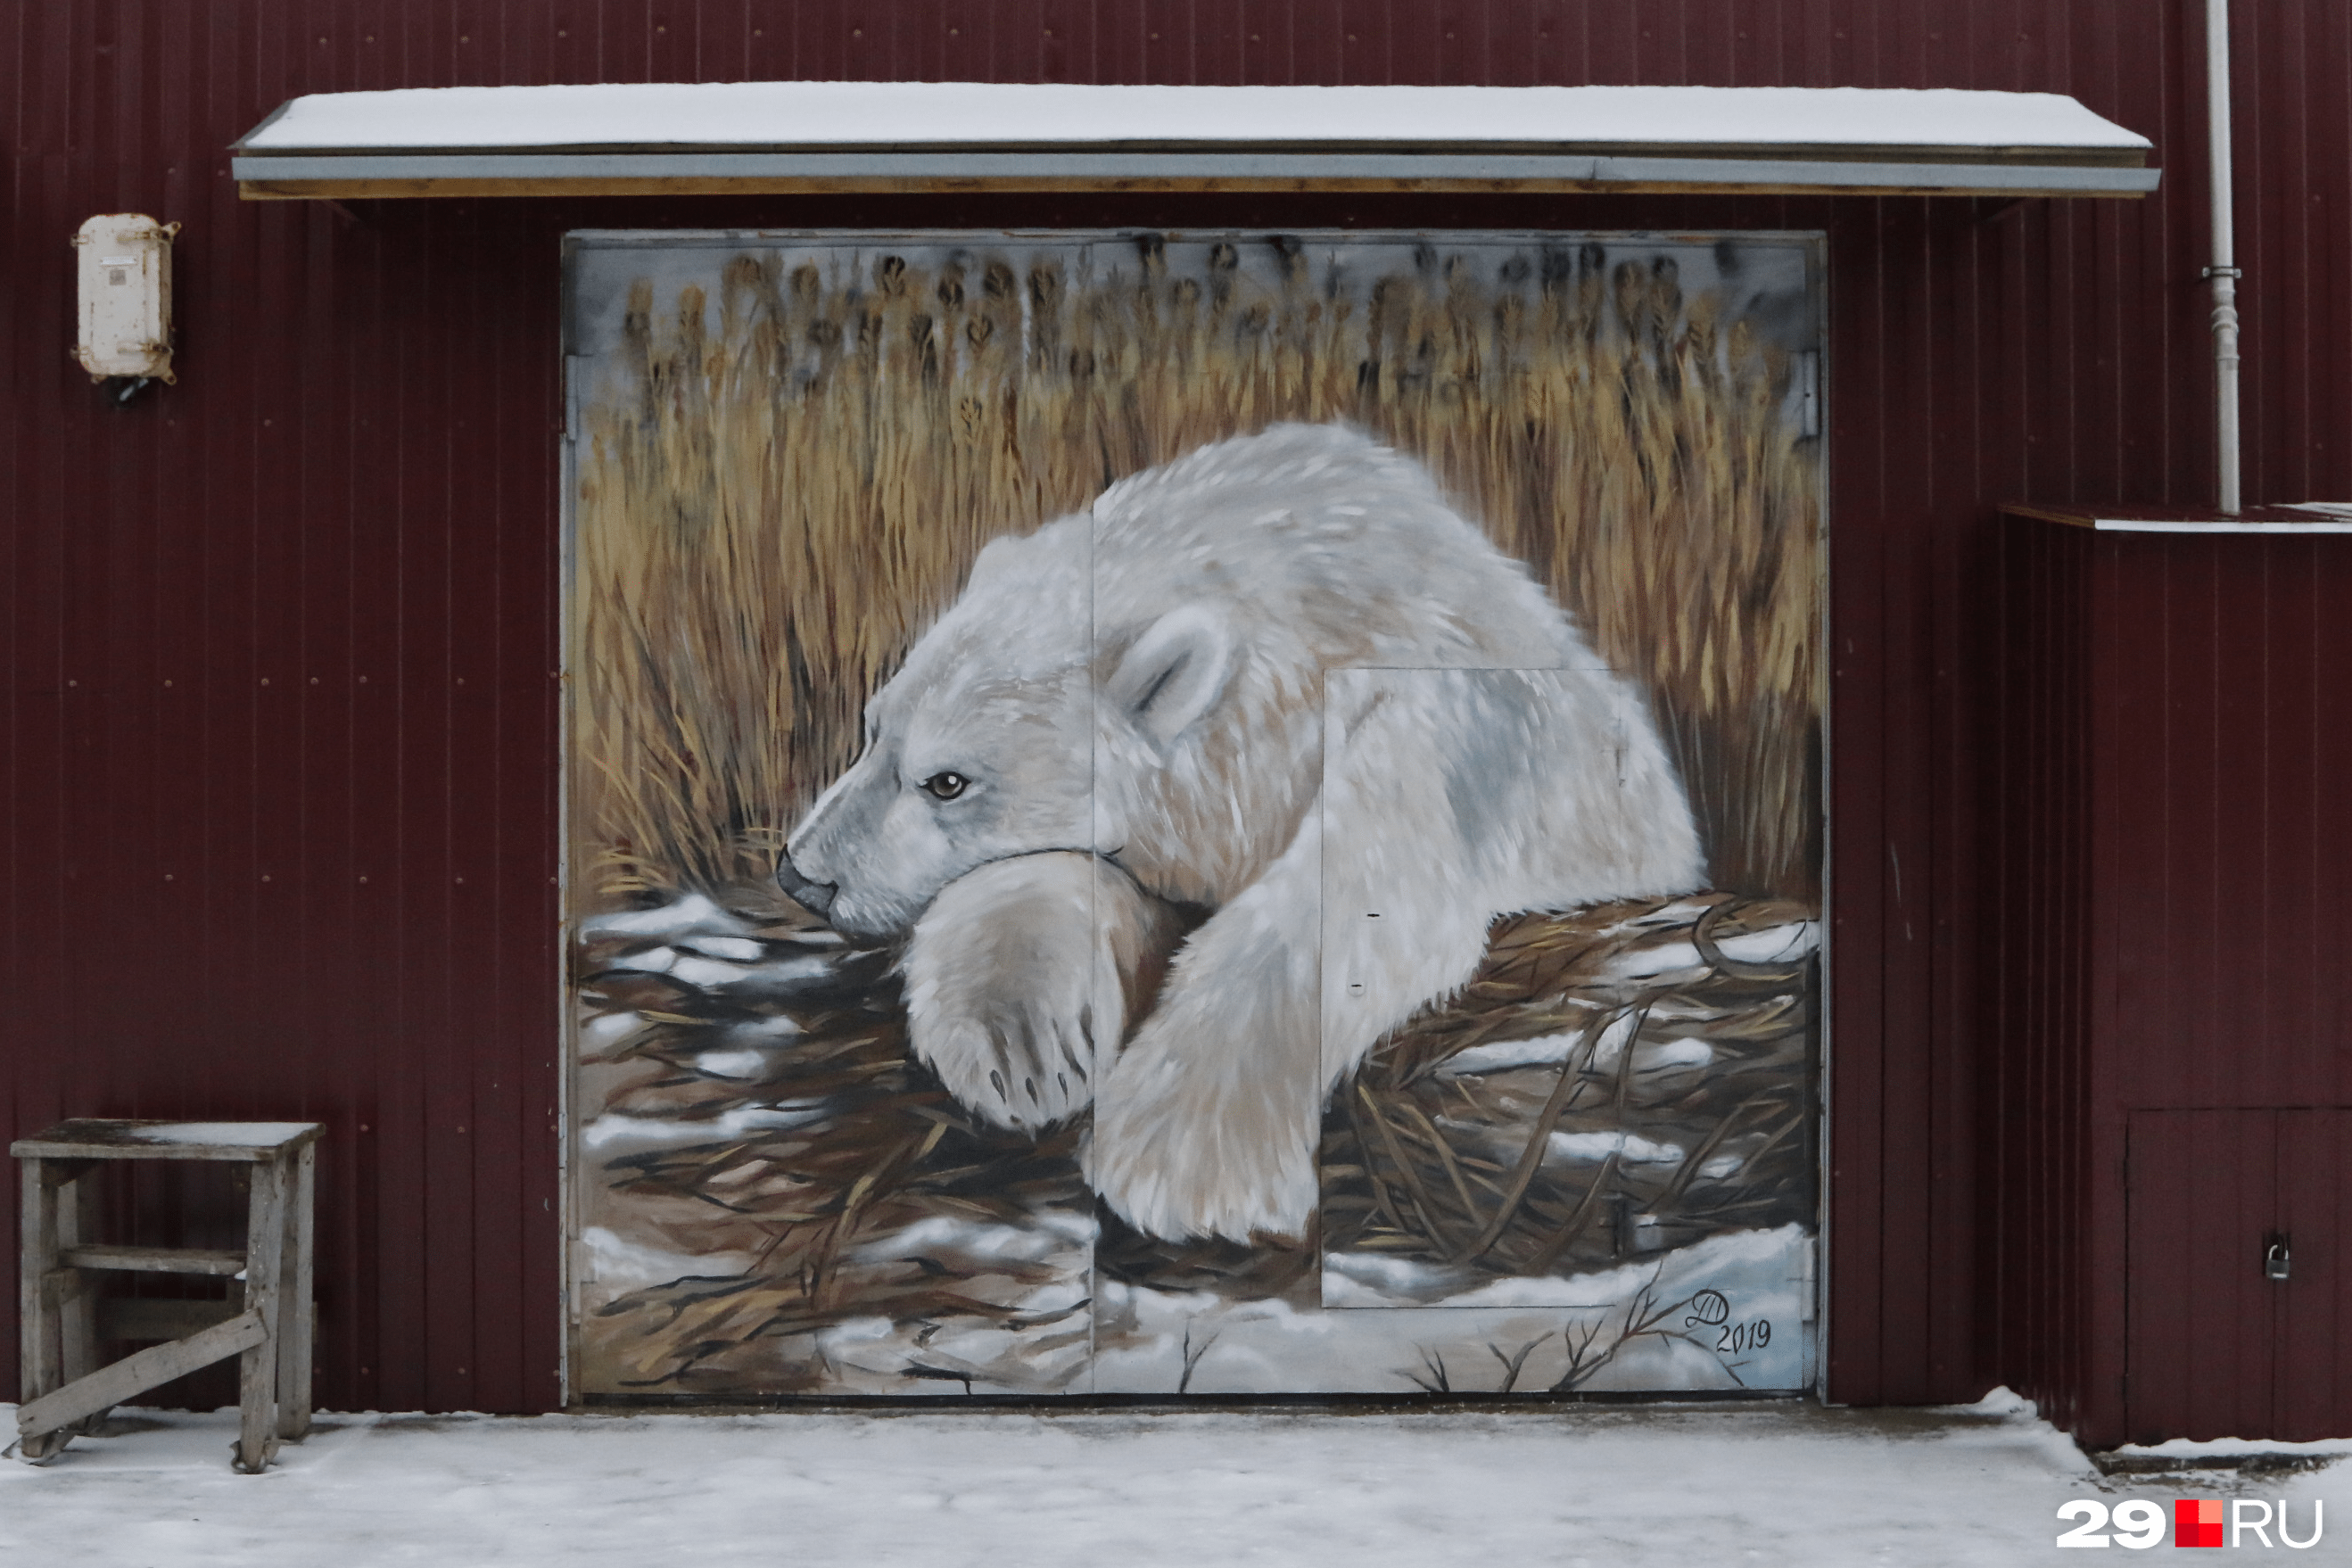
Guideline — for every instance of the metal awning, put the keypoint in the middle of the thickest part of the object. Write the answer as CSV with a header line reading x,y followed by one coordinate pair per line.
x,y
662,138
2293,518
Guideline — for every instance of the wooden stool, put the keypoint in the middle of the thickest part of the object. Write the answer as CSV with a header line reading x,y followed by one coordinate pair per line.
x,y
65,1390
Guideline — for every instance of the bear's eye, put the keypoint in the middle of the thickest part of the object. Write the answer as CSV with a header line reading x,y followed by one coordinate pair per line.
x,y
945,786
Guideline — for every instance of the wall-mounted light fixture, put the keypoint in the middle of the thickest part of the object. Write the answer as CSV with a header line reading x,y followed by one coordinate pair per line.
x,y
125,274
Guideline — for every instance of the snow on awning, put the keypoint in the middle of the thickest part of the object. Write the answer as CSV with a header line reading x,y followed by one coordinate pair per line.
x,y
628,139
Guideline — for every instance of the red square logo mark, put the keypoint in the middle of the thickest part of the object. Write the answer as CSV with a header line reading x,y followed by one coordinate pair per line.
x,y
2196,1521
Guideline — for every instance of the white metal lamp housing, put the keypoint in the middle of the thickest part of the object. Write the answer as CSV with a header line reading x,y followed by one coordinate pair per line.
x,y
125,275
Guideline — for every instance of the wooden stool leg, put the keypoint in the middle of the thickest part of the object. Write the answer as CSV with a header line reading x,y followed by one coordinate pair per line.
x,y
77,1289
296,1319
35,1295
35,1291
264,1236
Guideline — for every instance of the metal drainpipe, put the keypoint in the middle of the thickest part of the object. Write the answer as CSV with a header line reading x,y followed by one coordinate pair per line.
x,y
2224,271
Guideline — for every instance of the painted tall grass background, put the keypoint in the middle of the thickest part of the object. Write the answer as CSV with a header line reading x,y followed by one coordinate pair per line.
x,y
782,484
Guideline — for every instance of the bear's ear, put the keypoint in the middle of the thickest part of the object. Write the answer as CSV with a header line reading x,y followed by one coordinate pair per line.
x,y
1175,672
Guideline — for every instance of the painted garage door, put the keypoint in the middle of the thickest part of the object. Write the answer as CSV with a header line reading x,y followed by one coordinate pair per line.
x,y
1192,814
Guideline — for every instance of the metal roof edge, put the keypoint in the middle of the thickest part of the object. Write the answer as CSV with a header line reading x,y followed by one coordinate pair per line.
x,y
2217,525
2113,517
2023,154
564,172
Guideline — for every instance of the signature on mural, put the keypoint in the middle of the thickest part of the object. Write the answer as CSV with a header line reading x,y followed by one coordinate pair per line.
x,y
1125,716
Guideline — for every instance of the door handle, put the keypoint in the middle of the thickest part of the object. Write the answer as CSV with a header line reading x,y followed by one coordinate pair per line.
x,y
2277,1260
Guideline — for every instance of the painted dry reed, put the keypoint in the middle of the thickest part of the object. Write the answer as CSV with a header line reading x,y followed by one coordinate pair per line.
x,y
775,499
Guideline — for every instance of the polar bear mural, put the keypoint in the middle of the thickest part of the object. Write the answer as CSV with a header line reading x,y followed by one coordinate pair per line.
x,y
1095,802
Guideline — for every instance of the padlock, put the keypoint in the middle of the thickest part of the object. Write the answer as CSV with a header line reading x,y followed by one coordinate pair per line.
x,y
2276,1259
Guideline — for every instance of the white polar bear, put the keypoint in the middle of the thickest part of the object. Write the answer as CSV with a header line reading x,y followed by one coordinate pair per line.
x,y
1131,711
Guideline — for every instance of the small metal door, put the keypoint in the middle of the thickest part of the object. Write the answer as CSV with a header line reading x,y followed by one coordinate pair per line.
x,y
2314,1376
2234,1294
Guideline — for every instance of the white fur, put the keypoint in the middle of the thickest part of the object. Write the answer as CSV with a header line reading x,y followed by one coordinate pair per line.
x,y
1278,679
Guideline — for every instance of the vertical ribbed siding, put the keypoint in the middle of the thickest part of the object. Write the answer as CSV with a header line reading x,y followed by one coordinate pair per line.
x,y
2038,970
2234,729
2223,712
354,485
2171,714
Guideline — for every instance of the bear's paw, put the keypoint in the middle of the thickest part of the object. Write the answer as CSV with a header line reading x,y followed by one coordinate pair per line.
x,y
1176,1159
1020,975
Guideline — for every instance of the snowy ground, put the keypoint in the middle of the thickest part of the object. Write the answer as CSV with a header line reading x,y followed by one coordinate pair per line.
x,y
1592,1486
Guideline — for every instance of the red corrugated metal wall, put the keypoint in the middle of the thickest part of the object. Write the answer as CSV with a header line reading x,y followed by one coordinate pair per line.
x,y
281,739
2037,979
2172,1052
2224,726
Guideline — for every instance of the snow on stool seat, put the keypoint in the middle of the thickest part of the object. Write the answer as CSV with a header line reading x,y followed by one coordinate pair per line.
x,y
65,1390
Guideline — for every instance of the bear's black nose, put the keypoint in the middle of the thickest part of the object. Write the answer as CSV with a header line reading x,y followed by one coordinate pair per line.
x,y
817,898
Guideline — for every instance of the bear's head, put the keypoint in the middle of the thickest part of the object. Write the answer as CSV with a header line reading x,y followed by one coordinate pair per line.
x,y
991,741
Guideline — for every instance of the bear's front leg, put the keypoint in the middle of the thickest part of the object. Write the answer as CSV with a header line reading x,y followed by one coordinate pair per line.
x,y
1205,1123
1020,970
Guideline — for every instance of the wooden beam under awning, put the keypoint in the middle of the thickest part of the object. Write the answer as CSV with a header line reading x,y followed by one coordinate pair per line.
x,y
534,173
